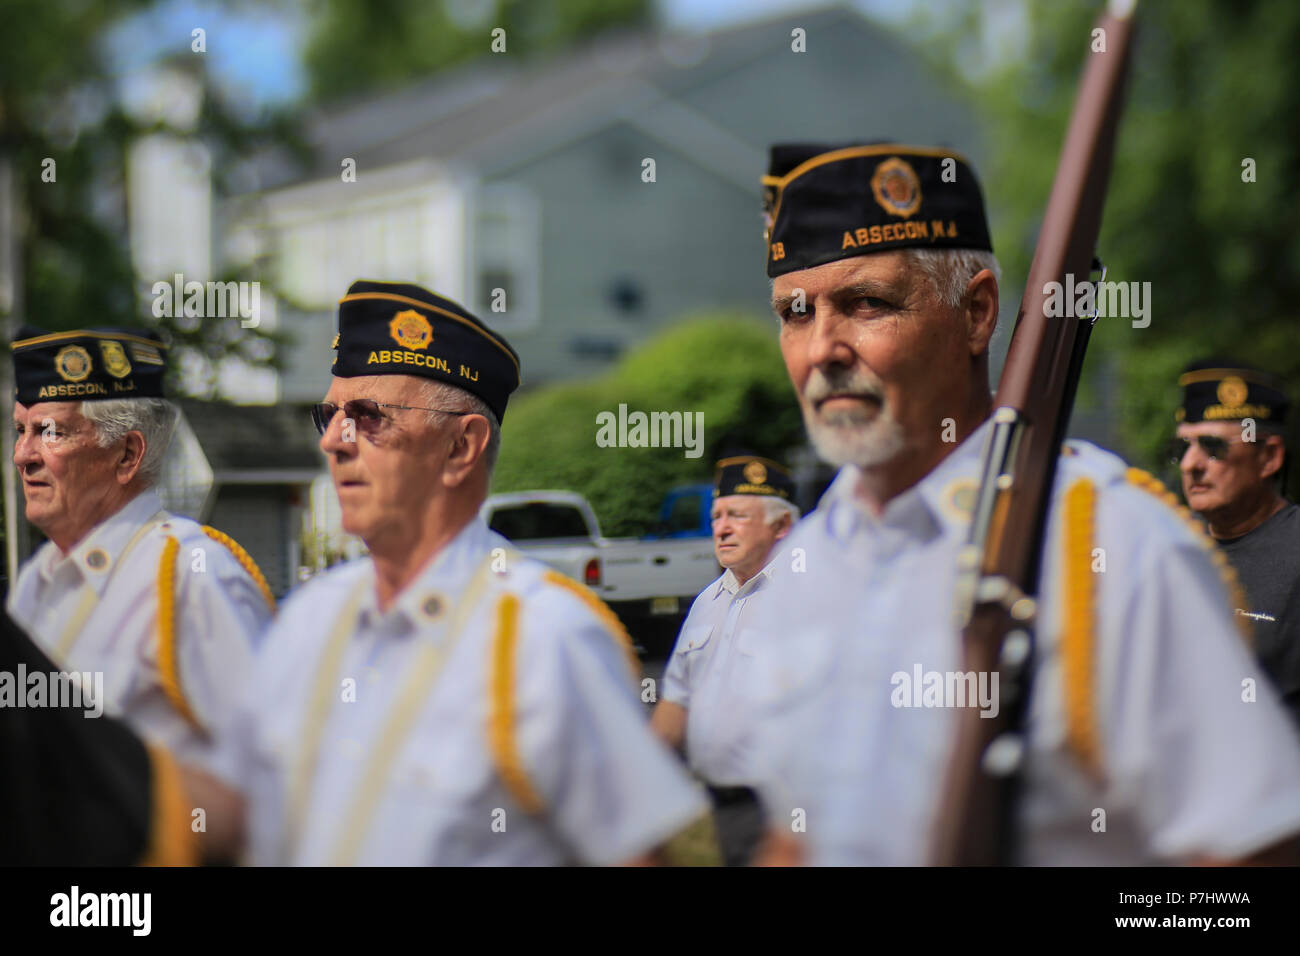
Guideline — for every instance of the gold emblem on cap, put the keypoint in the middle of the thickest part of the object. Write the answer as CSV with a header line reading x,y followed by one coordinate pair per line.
x,y
755,473
115,359
410,330
896,187
72,363
335,343
1232,391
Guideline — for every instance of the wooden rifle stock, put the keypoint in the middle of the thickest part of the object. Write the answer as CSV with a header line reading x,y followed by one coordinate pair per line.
x,y
999,567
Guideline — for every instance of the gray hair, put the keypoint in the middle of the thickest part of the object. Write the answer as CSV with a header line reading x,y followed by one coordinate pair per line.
x,y
950,270
774,508
154,418
441,395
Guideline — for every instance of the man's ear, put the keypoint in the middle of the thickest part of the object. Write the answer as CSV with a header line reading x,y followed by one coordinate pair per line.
x,y
128,462
1274,450
470,445
784,525
981,304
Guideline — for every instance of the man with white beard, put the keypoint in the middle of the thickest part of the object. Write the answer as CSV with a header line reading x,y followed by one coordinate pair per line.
x,y
886,289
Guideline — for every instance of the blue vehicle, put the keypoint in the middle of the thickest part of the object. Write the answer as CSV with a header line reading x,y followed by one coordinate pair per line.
x,y
686,513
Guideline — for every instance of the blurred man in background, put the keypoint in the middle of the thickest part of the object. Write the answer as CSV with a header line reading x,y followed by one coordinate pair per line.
x,y
702,703
1231,451
445,700
164,609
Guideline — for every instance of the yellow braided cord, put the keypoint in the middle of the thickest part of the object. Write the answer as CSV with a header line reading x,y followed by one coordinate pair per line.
x,y
1227,572
167,667
245,561
501,716
1080,623
603,613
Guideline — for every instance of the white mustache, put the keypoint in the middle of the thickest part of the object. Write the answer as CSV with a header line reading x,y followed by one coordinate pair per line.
x,y
821,387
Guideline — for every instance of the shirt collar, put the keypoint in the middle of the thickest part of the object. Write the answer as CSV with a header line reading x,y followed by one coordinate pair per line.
x,y
429,597
728,583
96,555
938,503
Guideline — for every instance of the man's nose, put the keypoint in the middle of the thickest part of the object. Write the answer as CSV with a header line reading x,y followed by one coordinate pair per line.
x,y
333,442
828,343
27,449
1194,459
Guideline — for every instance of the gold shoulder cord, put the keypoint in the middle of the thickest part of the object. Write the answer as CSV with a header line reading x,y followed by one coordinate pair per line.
x,y
245,561
603,614
1227,573
1078,636
168,666
1080,623
168,672
502,715
501,712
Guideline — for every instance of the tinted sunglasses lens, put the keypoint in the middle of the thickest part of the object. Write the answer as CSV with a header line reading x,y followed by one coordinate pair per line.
x,y
363,413
1177,449
1216,448
322,414
369,419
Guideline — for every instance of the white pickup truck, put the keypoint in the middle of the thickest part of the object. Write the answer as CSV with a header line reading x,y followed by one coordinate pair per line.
x,y
649,582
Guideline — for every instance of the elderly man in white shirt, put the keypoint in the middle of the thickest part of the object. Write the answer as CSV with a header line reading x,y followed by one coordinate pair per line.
x,y
445,700
1150,737
158,610
702,705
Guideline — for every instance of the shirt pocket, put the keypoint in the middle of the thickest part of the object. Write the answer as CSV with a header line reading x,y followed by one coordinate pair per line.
x,y
694,639
686,666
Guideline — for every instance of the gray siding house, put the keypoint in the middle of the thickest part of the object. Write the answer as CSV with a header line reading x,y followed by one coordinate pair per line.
x,y
527,177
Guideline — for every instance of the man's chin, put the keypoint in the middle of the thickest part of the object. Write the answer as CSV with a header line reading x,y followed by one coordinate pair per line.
x,y
36,513
866,446
354,523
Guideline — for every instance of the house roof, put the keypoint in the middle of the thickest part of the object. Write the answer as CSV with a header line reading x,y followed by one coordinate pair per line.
x,y
274,443
501,111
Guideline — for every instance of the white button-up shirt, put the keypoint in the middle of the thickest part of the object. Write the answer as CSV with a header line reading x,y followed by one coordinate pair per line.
x,y
1196,753
95,609
711,669
426,789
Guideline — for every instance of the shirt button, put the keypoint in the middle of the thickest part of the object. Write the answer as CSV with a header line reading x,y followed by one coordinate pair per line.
x,y
431,606
97,559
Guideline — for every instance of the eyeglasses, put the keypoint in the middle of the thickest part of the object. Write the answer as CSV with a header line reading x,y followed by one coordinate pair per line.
x,y
370,421
1215,448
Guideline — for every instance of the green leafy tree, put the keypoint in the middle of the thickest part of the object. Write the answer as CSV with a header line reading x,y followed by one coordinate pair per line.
x,y
359,46
1213,84
727,368
59,103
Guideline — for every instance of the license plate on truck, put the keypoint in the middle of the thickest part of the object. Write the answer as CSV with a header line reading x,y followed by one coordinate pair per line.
x,y
663,605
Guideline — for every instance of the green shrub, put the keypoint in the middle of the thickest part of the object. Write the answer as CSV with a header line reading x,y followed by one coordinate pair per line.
x,y
727,367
